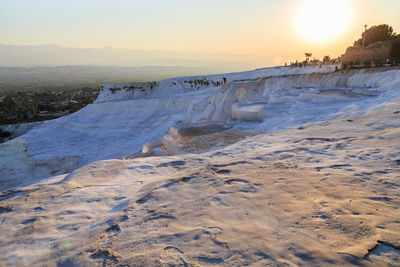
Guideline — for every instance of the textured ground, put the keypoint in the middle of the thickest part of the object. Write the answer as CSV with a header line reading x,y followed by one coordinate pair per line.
x,y
324,194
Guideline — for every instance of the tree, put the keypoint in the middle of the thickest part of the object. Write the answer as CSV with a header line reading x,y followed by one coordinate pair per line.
x,y
375,34
396,49
308,55
326,59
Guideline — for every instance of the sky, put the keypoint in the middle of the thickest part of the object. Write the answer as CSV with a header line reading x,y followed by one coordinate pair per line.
x,y
258,28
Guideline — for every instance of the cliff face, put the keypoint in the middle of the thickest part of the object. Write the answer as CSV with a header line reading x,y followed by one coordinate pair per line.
x,y
377,52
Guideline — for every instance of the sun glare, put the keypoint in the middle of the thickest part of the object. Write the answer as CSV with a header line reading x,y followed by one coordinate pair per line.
x,y
323,20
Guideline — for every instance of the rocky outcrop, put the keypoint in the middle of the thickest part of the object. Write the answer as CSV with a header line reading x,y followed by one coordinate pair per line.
x,y
125,91
248,112
199,137
17,130
377,52
179,136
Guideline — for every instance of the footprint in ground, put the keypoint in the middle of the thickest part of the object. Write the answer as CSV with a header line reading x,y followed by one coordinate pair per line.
x,y
5,209
172,256
223,171
176,163
210,260
106,254
231,181
238,185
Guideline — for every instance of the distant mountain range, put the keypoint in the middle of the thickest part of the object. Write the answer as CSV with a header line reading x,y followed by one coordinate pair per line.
x,y
53,55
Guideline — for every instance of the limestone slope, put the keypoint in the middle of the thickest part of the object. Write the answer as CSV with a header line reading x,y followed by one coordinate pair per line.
x,y
326,194
127,116
318,185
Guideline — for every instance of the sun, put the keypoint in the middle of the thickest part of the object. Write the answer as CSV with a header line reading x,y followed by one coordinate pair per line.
x,y
323,20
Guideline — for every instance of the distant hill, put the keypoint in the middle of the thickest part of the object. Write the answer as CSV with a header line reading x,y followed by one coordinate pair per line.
x,y
53,55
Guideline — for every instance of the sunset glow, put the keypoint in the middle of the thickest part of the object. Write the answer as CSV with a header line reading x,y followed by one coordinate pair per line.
x,y
323,20
251,34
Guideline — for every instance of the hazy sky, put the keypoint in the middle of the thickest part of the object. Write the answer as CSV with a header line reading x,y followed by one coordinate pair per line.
x,y
263,27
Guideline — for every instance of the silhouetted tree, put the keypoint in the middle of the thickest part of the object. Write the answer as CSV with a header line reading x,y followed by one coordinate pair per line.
x,y
375,34
326,59
308,55
396,49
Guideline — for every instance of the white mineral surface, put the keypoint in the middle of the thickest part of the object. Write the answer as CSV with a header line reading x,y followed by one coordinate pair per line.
x,y
272,167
